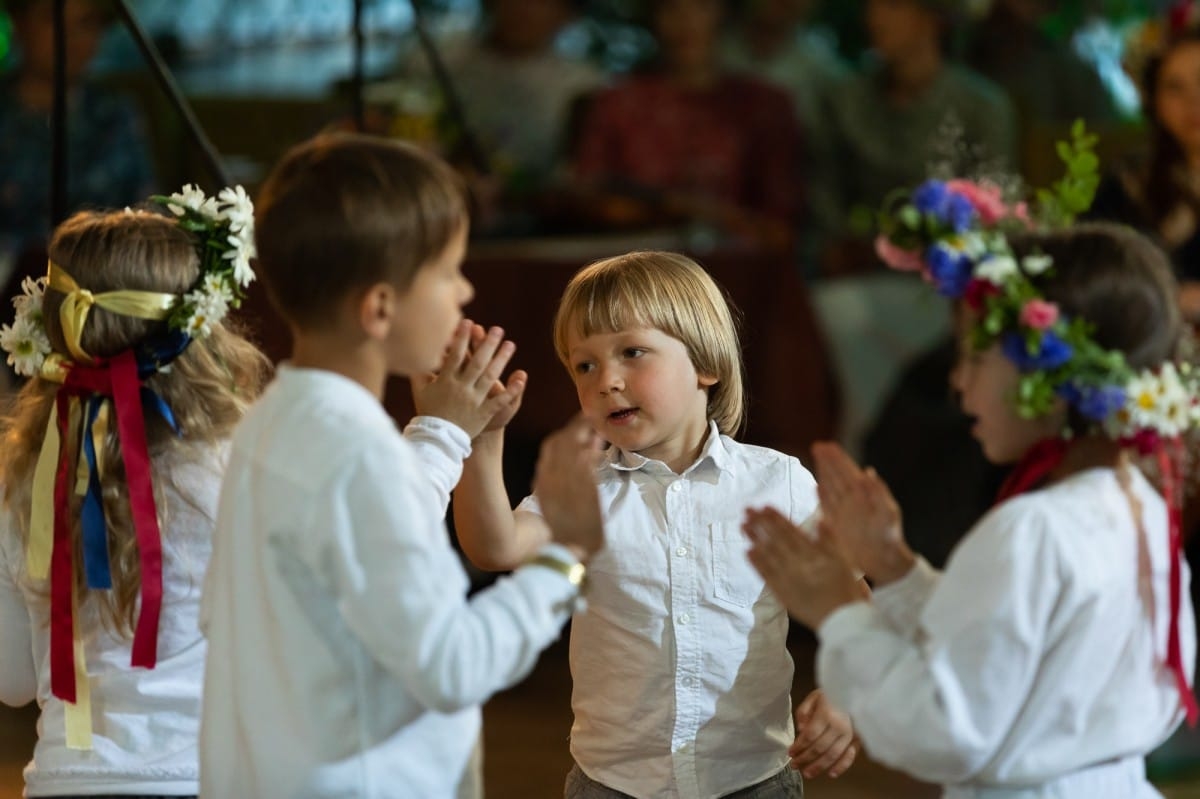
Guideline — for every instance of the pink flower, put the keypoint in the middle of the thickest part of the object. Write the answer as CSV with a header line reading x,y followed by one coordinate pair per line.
x,y
977,293
898,257
1039,314
985,197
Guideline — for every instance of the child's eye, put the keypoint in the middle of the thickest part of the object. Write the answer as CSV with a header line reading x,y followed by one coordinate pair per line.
x,y
634,352
583,367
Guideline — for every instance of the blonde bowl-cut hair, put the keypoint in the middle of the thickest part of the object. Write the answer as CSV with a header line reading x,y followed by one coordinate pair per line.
x,y
208,387
671,293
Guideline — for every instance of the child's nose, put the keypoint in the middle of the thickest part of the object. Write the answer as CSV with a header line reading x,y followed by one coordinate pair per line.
x,y
611,380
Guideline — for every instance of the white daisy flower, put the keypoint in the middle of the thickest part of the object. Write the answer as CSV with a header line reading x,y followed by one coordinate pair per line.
x,y
26,345
997,269
237,208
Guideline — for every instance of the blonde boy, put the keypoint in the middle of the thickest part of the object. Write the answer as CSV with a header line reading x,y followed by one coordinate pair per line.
x,y
681,670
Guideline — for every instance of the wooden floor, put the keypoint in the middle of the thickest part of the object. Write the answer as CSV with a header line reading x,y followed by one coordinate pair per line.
x,y
525,732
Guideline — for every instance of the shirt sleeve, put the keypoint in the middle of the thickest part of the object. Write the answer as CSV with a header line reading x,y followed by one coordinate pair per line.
x,y
441,448
18,674
965,678
402,591
902,602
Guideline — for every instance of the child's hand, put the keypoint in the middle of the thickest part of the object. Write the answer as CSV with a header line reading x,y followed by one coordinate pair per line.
x,y
860,513
518,380
565,484
809,577
467,389
824,738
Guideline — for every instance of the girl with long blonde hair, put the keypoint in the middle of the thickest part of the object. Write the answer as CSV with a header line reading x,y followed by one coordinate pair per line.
x,y
110,467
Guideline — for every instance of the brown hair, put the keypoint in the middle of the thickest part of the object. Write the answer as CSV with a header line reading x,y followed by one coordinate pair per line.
x,y
342,212
669,292
1116,279
208,387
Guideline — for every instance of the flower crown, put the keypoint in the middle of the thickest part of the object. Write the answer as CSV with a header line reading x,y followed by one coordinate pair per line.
x,y
223,228
956,234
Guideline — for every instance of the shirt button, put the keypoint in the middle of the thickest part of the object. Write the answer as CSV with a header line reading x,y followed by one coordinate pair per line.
x,y
684,618
681,551
676,487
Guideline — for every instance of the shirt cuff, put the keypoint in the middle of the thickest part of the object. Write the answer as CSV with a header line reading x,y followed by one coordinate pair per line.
x,y
902,602
442,447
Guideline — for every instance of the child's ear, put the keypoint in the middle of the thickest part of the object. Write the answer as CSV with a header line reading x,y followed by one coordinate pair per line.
x,y
708,381
377,310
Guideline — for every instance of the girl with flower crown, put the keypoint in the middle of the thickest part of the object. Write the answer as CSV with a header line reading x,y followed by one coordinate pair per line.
x,y
110,465
1057,647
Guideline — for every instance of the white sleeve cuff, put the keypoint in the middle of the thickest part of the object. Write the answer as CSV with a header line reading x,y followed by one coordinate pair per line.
x,y
902,602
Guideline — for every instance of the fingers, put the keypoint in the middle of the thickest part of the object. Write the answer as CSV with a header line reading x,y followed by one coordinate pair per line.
x,y
460,342
507,400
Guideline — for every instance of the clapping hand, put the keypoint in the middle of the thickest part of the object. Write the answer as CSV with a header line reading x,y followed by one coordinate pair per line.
x,y
565,484
467,389
860,515
809,576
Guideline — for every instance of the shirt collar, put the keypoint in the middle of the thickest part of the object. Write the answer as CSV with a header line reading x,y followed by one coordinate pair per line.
x,y
714,451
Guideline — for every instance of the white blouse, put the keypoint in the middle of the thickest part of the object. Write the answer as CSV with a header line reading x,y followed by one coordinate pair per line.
x,y
1034,665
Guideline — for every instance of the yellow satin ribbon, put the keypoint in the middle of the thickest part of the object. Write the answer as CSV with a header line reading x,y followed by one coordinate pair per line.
x,y
78,304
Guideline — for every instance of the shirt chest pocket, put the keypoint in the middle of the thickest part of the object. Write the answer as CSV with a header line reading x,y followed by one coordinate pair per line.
x,y
735,582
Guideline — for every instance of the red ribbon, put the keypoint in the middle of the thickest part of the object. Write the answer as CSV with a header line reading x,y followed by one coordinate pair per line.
x,y
1167,463
116,378
1033,468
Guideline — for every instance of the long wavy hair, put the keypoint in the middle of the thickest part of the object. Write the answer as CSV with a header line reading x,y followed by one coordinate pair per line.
x,y
207,388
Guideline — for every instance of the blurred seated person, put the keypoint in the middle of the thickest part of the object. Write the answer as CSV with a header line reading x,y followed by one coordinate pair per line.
x,y
108,156
1161,194
1045,79
686,143
769,39
908,115
517,94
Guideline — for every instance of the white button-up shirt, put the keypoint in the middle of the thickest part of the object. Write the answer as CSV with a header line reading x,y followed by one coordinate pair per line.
x,y
682,675
1034,663
344,657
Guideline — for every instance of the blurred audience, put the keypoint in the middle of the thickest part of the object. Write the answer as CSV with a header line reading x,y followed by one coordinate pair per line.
x,y
108,155
1046,80
908,115
1160,193
518,94
769,39
686,142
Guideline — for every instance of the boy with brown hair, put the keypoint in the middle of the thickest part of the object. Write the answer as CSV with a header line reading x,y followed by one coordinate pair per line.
x,y
345,658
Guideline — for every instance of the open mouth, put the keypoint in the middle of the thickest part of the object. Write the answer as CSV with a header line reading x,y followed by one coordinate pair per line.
x,y
622,415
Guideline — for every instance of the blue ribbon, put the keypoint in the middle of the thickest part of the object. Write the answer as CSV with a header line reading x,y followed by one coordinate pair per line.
x,y
95,529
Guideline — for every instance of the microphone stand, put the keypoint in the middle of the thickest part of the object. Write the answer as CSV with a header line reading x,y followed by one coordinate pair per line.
x,y
475,154
58,118
359,78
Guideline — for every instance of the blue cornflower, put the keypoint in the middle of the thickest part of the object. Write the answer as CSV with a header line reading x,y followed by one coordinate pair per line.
x,y
1094,402
950,269
1052,352
959,212
930,197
